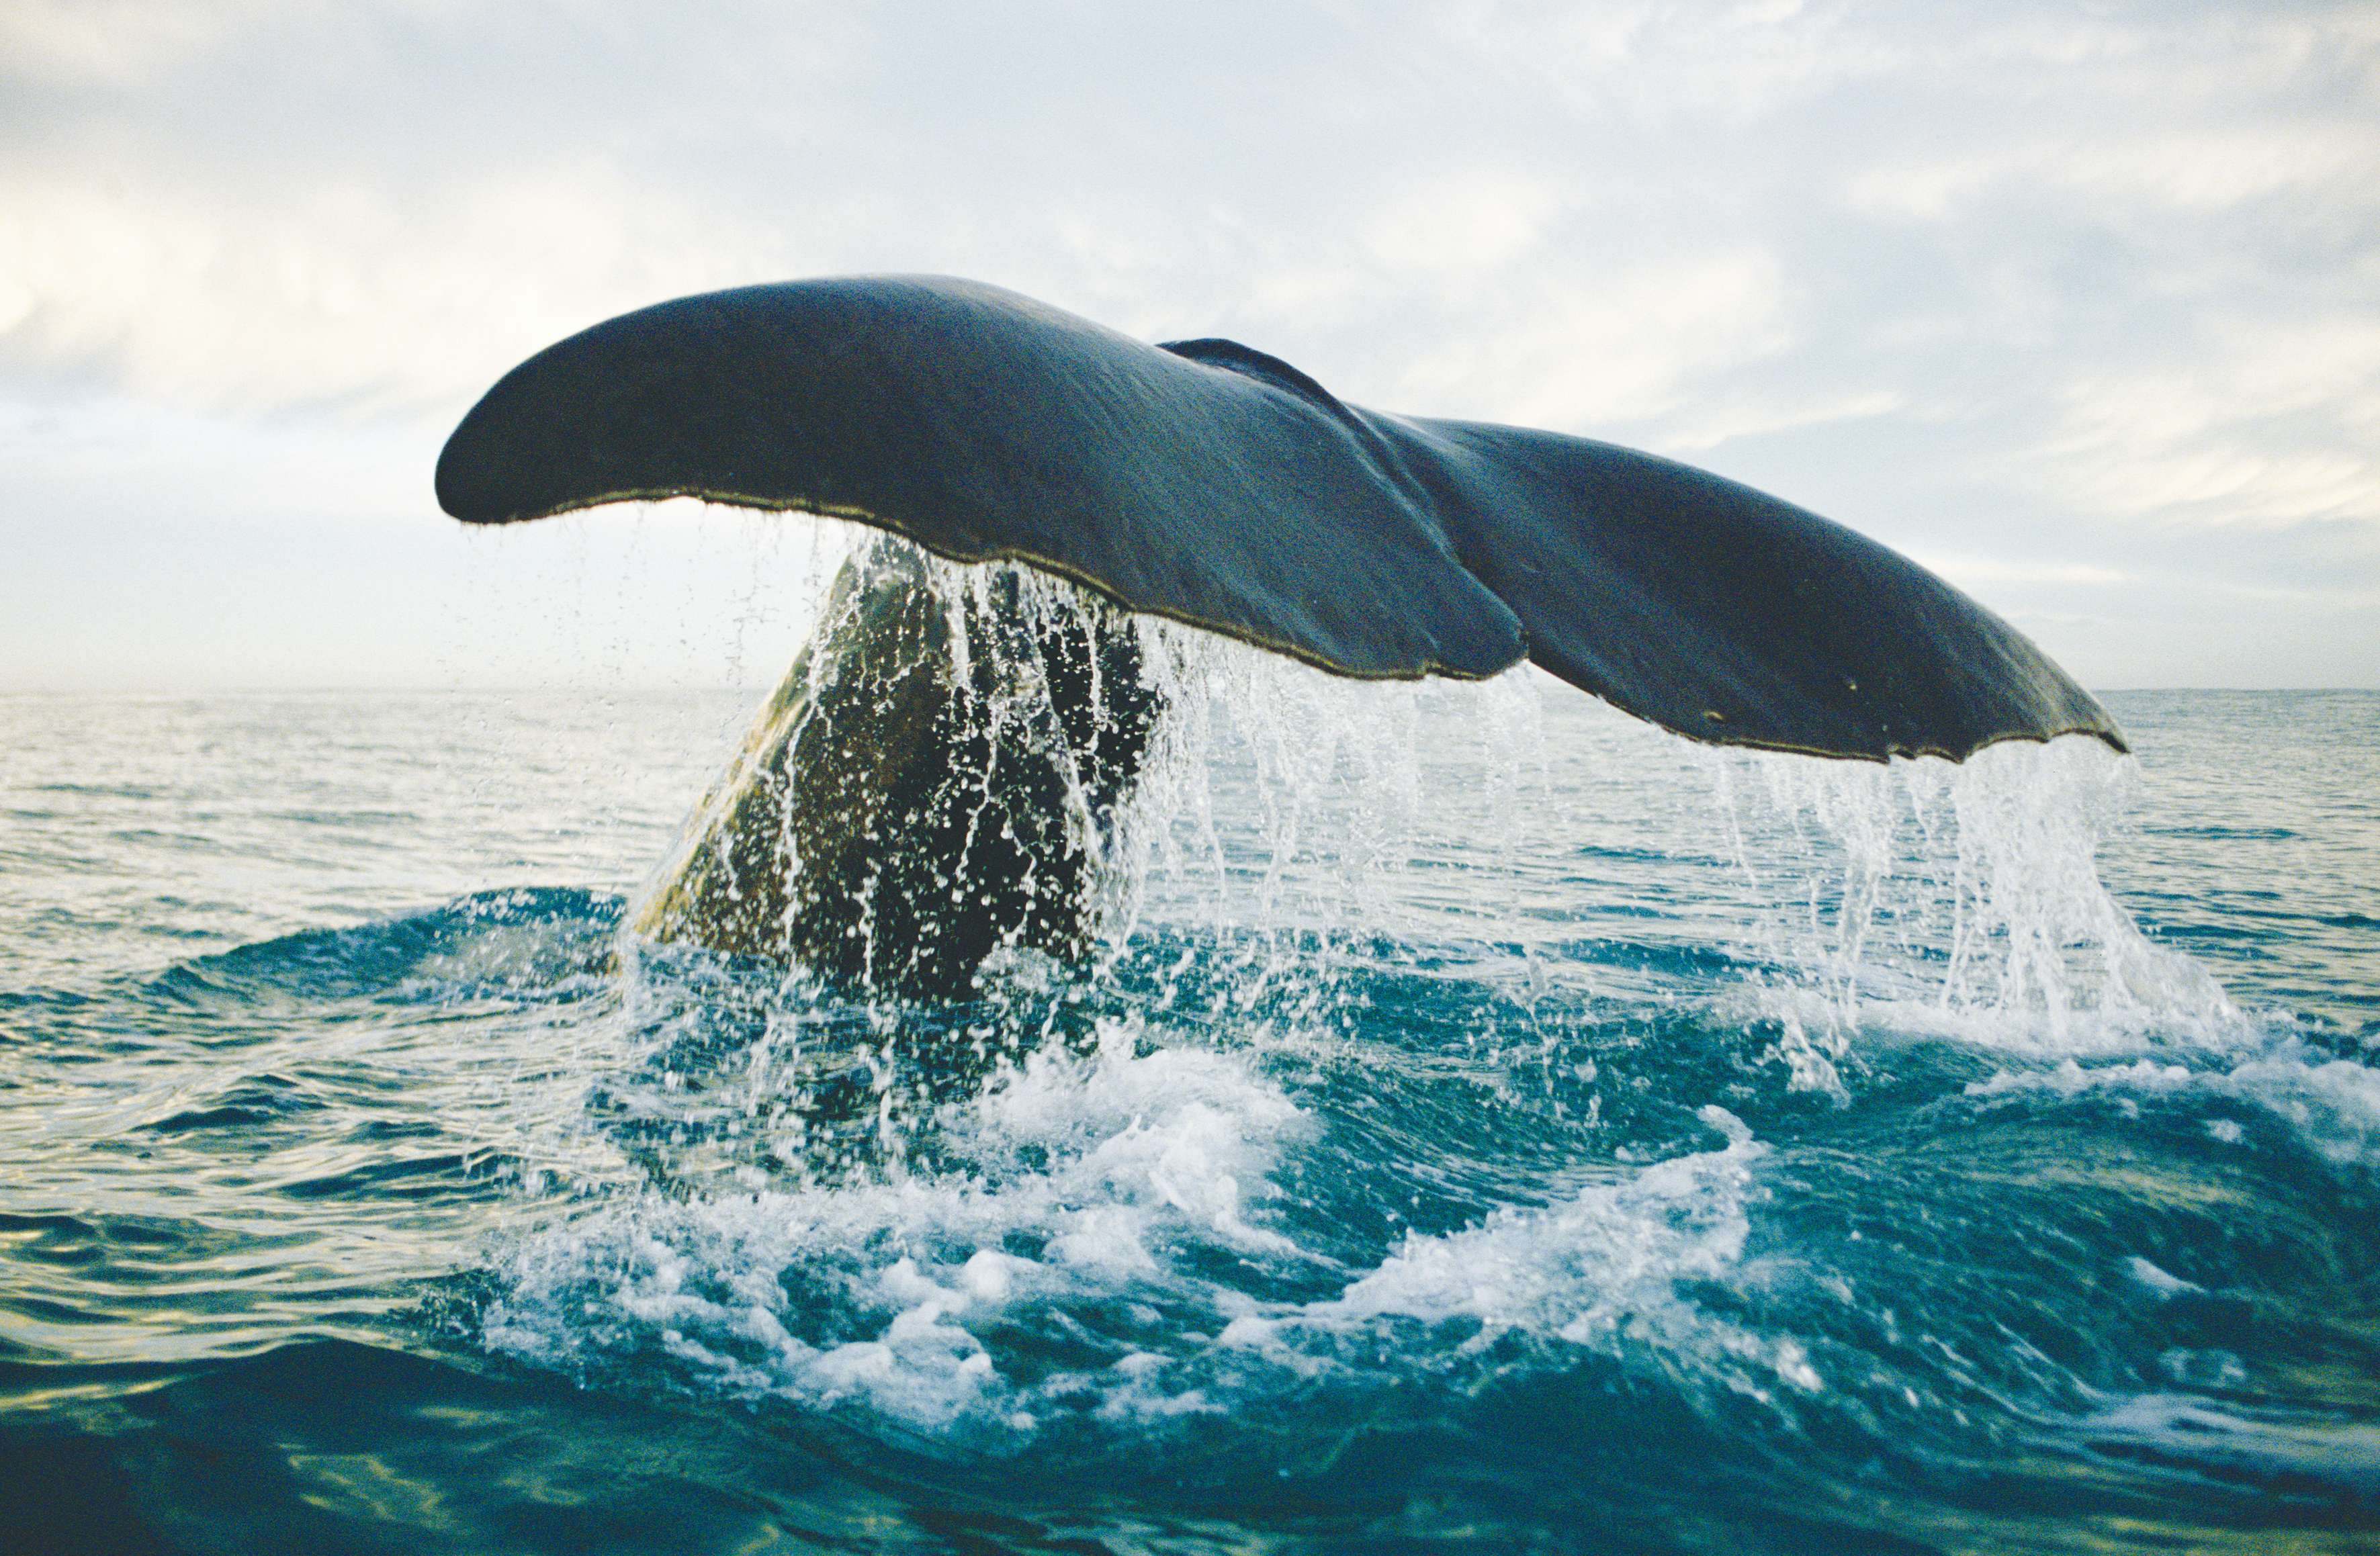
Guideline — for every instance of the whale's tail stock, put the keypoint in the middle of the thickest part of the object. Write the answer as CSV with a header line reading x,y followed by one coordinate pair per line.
x,y
882,826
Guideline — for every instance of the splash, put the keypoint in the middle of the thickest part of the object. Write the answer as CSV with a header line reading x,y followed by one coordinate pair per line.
x,y
1956,901
1082,1192
1107,1244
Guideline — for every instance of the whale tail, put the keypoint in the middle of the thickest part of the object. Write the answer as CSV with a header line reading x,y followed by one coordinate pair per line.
x,y
886,824
1221,486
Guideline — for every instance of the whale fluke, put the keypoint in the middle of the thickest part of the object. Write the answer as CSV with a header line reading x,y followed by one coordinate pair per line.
x,y
944,772
1215,484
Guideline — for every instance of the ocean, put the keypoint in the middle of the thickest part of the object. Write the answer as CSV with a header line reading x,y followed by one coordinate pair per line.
x,y
1491,1124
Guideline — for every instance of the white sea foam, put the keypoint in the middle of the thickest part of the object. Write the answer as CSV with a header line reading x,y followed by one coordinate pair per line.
x,y
2207,1432
2333,1104
867,1292
1099,1193
1601,1270
1577,1267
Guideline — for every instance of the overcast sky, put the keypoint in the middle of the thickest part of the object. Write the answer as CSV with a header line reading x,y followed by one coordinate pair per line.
x,y
2078,303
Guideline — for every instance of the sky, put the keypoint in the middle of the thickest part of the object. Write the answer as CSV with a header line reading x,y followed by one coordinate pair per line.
x,y
2078,303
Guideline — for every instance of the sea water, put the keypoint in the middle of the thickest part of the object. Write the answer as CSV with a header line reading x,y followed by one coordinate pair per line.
x,y
1490,1123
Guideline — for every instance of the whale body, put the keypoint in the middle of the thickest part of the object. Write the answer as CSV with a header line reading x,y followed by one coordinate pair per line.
x,y
937,778
893,818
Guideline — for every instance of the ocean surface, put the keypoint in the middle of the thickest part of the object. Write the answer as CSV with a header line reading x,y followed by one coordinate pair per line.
x,y
1493,1124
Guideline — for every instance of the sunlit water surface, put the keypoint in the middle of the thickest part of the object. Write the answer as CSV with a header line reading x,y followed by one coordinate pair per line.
x,y
1495,1125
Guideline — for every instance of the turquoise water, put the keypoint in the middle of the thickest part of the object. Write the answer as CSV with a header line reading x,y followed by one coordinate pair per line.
x,y
1496,1124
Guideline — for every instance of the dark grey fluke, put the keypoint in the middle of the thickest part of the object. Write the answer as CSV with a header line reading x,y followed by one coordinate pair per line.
x,y
1210,483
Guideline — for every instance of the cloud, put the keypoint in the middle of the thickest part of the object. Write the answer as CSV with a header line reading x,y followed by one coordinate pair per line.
x,y
2263,422
1980,571
1474,221
119,42
335,293
1624,346
2086,299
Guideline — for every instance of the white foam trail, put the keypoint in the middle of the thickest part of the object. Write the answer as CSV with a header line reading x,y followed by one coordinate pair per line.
x,y
2235,1440
1095,1190
2332,1103
1575,1267
1600,1270
1103,1167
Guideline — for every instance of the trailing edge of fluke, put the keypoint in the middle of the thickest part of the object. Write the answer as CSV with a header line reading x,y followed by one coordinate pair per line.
x,y
1208,482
